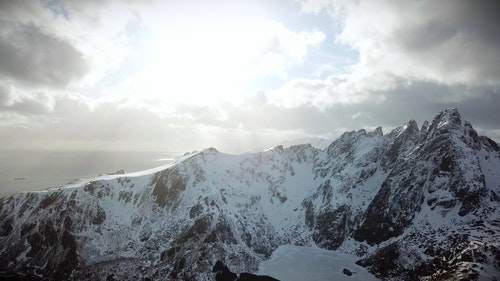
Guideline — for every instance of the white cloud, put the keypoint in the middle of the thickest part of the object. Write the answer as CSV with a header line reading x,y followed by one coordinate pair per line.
x,y
450,42
399,43
214,63
334,90
184,52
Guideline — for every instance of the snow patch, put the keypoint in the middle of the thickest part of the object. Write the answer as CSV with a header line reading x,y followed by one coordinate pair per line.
x,y
297,263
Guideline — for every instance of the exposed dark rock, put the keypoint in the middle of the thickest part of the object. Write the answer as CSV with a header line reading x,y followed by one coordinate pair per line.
x,y
6,227
452,263
347,272
48,200
244,276
330,227
168,187
195,211
378,226
99,216
384,262
224,274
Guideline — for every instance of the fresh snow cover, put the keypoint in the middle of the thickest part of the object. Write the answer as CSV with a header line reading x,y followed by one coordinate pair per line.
x,y
245,208
319,143
298,263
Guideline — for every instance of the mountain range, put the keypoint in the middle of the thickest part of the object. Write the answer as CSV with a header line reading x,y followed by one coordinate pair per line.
x,y
417,203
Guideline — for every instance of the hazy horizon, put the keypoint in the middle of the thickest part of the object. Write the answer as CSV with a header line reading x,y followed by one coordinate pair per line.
x,y
39,170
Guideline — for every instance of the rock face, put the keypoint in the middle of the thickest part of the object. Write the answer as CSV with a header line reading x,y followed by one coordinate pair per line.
x,y
416,203
224,274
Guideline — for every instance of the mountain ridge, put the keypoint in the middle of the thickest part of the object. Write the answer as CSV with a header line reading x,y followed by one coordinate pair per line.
x,y
410,204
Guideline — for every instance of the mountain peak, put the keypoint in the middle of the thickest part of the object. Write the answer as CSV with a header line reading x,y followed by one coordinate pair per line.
x,y
412,124
378,131
449,117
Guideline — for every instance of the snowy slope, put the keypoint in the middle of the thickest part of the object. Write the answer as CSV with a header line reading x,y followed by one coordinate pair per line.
x,y
413,203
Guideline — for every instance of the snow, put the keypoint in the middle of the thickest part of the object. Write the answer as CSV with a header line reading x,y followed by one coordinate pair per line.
x,y
297,263
262,196
319,143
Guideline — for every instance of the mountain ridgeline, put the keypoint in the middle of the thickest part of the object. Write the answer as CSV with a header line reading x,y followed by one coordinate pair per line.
x,y
413,204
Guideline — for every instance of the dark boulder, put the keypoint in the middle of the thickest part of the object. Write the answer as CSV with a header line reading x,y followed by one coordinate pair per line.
x,y
226,276
223,272
244,276
347,272
219,266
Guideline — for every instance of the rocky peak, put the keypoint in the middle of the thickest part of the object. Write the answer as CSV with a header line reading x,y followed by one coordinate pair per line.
x,y
408,131
445,122
449,116
412,126
378,132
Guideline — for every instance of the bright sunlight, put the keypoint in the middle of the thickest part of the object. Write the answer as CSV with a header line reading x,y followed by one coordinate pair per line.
x,y
218,57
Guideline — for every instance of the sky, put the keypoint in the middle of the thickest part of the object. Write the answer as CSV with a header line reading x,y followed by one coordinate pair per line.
x,y
163,75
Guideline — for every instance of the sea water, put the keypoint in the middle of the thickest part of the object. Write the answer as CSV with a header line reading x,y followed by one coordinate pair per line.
x,y
38,170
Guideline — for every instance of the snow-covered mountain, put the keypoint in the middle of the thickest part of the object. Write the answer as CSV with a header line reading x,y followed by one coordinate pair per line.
x,y
416,203
319,143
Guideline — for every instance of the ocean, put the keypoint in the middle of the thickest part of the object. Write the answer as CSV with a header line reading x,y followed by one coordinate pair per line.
x,y
38,170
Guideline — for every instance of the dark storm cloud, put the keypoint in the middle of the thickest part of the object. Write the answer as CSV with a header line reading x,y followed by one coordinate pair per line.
x,y
30,55
479,19
421,101
459,35
476,20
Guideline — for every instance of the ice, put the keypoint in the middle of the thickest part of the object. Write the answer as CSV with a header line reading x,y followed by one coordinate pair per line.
x,y
292,263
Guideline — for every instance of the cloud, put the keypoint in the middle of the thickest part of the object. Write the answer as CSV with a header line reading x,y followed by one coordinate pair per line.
x,y
72,121
415,59
22,10
279,48
332,91
154,48
223,60
14,100
76,41
158,86
30,55
449,42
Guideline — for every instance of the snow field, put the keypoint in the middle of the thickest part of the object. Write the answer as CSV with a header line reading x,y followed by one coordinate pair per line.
x,y
296,263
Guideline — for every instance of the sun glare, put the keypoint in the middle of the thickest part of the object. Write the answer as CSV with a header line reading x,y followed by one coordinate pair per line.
x,y
200,66
205,61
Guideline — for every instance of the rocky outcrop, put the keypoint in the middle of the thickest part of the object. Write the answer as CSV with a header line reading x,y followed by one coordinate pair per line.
x,y
222,273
